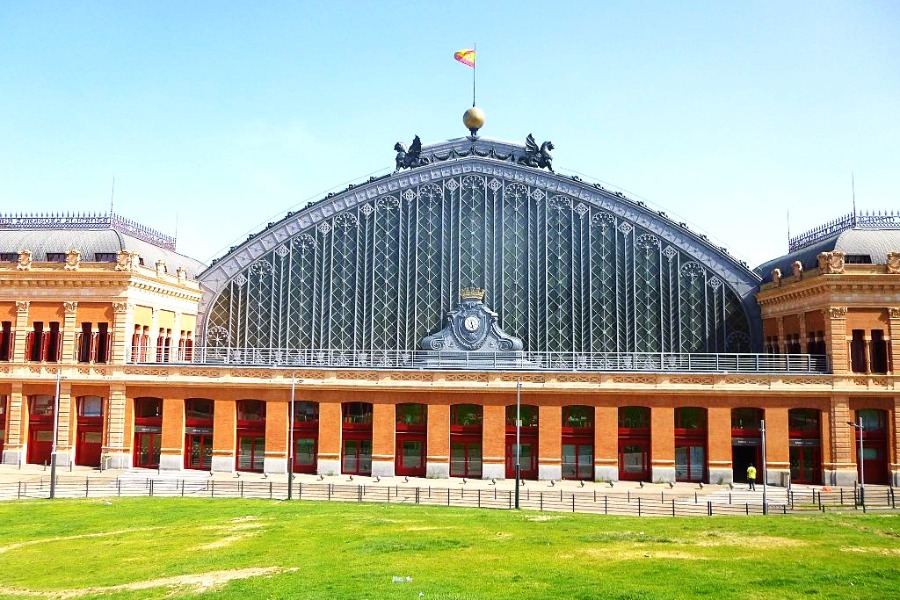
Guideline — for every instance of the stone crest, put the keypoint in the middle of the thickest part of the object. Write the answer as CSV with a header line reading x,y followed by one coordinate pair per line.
x,y
893,263
831,263
126,261
24,260
472,327
73,260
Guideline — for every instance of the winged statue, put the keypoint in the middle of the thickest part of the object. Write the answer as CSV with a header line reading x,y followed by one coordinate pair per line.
x,y
411,158
537,157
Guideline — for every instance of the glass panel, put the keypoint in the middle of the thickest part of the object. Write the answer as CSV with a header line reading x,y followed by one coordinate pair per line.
x,y
568,461
457,459
633,458
306,412
351,463
365,457
42,406
411,414
259,453
474,465
91,406
585,461
681,463
93,438
412,455
698,462
305,451
47,436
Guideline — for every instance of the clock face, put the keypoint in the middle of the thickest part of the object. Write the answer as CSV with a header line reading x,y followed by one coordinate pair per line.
x,y
471,324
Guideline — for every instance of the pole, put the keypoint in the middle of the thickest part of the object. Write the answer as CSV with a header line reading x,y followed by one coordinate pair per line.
x,y
474,62
762,429
55,433
291,441
862,464
518,435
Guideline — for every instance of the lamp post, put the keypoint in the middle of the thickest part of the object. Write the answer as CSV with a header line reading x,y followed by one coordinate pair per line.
x,y
55,433
291,441
762,431
518,434
862,470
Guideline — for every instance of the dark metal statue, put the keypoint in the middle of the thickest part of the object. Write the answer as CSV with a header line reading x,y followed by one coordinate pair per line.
x,y
538,158
412,158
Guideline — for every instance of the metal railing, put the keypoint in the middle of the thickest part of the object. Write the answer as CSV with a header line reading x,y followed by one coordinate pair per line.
x,y
539,361
854,220
544,500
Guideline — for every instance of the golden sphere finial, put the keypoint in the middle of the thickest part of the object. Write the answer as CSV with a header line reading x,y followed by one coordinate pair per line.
x,y
473,119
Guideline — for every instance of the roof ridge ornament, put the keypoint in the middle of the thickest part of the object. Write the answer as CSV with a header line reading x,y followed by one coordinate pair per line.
x,y
538,158
412,158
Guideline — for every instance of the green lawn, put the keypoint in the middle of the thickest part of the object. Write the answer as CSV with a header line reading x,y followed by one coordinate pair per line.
x,y
185,548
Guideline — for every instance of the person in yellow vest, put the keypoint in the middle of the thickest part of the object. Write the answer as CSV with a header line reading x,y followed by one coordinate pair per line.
x,y
751,476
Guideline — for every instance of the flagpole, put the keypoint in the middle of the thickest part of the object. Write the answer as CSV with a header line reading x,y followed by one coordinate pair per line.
x,y
475,51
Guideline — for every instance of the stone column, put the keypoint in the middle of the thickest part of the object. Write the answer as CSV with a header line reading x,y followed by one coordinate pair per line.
x,y
662,443
171,455
16,427
550,442
122,331
116,454
69,328
778,466
384,439
153,349
21,330
224,436
718,440
839,461
836,339
894,332
330,428
437,461
276,455
606,443
493,442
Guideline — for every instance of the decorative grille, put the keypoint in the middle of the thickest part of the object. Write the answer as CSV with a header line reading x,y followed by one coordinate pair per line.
x,y
564,276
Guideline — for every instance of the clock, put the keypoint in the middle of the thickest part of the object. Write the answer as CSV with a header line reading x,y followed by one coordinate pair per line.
x,y
471,324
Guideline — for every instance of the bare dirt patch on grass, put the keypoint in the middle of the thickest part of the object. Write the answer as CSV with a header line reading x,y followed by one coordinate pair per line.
x,y
234,531
16,546
196,583
881,551
761,541
611,554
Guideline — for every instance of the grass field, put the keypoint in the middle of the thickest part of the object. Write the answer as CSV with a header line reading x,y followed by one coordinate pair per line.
x,y
186,548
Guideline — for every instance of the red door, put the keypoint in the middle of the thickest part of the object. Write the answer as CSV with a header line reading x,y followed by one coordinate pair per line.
x,y
40,445
146,449
88,448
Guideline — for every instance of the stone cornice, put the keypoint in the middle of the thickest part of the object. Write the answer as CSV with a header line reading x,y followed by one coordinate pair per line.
x,y
674,384
116,282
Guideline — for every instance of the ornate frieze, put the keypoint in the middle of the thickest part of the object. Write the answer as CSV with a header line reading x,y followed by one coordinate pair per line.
x,y
837,312
22,306
70,307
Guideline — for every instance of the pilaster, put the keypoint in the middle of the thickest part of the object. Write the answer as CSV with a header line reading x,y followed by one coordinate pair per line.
x,y
171,454
550,442
152,351
14,447
224,435
782,342
21,330
493,440
778,466
116,454
840,466
384,439
65,452
662,440
720,468
894,332
330,439
895,450
606,443
276,455
123,317
68,334
437,461
836,339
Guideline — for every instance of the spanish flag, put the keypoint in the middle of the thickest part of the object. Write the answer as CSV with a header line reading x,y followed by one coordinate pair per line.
x,y
466,57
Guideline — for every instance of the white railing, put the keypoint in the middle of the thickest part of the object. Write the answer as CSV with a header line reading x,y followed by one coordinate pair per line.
x,y
530,361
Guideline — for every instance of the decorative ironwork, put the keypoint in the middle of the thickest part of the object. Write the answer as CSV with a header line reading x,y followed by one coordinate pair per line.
x,y
87,221
412,158
381,272
538,158
862,220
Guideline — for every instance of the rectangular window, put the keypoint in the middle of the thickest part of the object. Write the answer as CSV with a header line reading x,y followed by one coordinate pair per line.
x,y
858,352
90,406
879,352
6,339
59,257
9,257
109,257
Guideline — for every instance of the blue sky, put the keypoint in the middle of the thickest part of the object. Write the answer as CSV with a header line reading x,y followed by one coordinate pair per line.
x,y
221,116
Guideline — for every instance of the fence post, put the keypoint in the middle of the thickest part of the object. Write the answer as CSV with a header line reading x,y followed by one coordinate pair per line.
x,y
87,487
417,494
709,508
241,487
639,506
448,496
479,498
270,490
542,501
119,487
605,504
673,507
182,488
359,493
329,490
151,488
573,501
212,489
299,490
747,508
19,492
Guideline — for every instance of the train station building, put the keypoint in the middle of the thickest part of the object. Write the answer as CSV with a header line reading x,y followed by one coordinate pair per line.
x,y
392,328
